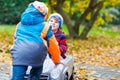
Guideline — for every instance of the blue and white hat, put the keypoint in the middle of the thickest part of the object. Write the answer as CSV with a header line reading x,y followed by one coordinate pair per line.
x,y
58,17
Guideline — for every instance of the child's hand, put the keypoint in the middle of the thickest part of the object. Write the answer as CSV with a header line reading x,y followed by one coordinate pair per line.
x,y
61,63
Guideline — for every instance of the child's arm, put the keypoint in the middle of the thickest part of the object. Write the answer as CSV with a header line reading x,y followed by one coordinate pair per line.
x,y
63,45
53,47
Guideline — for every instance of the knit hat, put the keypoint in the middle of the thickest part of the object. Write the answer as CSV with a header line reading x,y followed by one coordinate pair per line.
x,y
41,7
58,17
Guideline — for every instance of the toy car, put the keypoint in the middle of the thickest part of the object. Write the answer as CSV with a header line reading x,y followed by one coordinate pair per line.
x,y
56,72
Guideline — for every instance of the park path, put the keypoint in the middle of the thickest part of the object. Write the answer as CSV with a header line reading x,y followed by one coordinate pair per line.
x,y
4,71
99,72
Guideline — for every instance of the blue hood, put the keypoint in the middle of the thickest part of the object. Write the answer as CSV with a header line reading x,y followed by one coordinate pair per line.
x,y
31,16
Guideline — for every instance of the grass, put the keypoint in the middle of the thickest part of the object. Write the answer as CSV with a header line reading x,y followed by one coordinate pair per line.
x,y
103,31
95,31
6,34
7,28
65,30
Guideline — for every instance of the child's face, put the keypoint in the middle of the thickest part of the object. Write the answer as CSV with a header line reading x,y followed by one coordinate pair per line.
x,y
55,24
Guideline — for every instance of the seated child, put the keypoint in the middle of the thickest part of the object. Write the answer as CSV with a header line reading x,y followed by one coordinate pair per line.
x,y
56,21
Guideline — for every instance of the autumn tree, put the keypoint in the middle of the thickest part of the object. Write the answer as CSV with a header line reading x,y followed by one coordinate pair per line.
x,y
93,7
74,12
69,8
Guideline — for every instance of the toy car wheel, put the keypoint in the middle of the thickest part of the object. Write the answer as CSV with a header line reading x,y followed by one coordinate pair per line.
x,y
66,77
72,76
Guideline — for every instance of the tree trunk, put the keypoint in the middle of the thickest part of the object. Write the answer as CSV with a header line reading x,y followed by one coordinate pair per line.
x,y
90,8
80,20
91,22
67,20
74,28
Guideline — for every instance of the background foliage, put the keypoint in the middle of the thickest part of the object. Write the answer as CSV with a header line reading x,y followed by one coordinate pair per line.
x,y
92,13
10,10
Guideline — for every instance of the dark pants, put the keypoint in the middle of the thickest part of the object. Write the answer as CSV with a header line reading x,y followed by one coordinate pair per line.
x,y
20,71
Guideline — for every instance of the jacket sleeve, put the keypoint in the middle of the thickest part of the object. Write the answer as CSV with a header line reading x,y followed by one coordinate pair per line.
x,y
63,45
53,47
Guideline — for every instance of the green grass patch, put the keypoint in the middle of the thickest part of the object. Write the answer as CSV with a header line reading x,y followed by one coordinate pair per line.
x,y
65,30
7,33
95,31
7,28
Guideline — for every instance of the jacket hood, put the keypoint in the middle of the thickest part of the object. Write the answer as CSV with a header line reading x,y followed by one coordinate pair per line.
x,y
31,16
